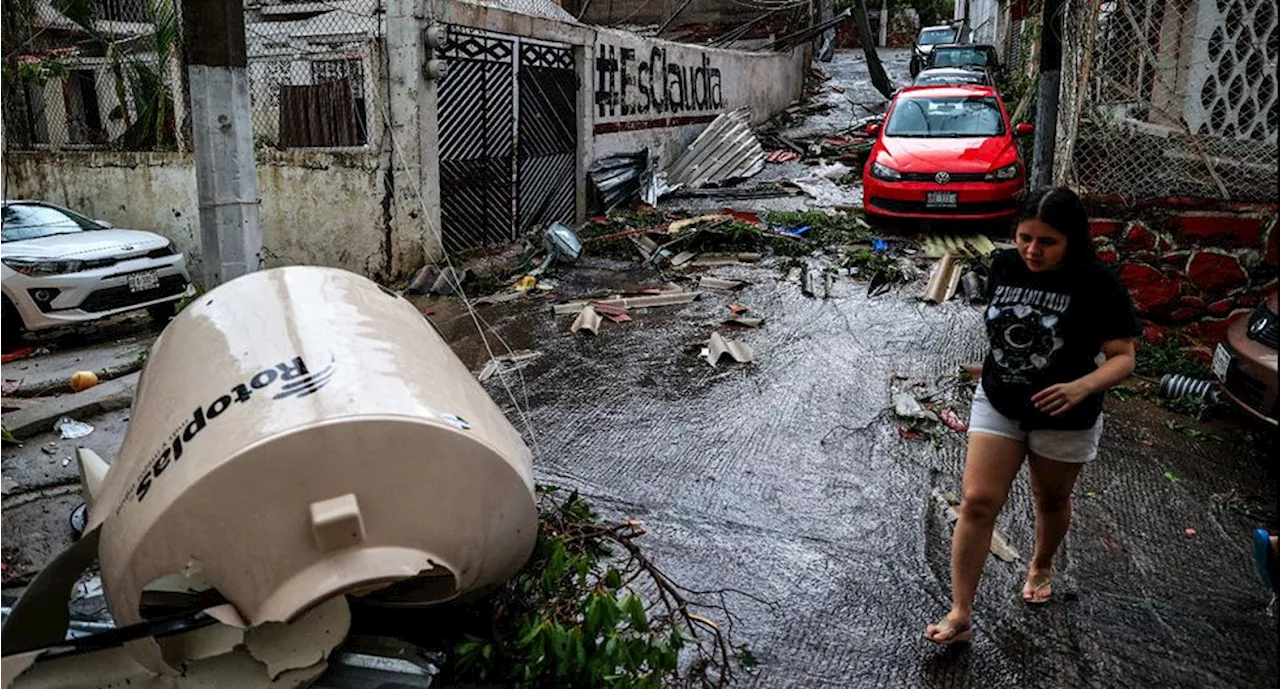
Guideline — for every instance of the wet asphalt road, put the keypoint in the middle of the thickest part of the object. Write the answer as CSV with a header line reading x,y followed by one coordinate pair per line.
x,y
788,479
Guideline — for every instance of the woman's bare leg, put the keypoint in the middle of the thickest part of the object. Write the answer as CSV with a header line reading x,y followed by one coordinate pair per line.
x,y
990,466
1051,484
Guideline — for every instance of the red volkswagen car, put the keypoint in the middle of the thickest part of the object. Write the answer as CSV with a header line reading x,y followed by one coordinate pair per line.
x,y
945,152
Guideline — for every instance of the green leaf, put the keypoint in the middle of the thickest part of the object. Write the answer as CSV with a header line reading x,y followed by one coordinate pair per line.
x,y
634,608
613,579
533,632
1172,476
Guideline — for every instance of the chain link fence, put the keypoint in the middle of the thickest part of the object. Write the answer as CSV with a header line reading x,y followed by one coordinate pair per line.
x,y
1165,98
108,74
93,73
314,71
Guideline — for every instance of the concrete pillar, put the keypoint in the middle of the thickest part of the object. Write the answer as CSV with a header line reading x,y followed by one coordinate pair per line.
x,y
222,132
411,204
884,23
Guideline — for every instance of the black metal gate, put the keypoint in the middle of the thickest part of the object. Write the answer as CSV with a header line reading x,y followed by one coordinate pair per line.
x,y
477,141
508,137
547,145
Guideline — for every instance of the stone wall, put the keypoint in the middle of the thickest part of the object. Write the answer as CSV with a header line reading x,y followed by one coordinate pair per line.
x,y
1188,268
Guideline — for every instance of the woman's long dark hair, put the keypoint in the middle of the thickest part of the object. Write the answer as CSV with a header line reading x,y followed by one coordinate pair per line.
x,y
1061,209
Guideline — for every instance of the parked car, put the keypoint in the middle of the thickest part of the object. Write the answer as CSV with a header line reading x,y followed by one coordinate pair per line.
x,y
952,76
976,56
58,267
929,37
945,152
1246,362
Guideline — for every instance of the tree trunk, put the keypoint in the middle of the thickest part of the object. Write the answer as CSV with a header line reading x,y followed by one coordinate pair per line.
x,y
879,78
826,39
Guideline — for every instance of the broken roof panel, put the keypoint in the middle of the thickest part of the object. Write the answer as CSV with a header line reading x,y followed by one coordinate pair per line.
x,y
726,150
537,8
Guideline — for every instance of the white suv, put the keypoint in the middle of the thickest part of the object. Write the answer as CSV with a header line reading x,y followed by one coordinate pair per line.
x,y
60,268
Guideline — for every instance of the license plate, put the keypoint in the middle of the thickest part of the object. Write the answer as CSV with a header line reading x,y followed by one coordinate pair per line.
x,y
941,199
1221,361
141,282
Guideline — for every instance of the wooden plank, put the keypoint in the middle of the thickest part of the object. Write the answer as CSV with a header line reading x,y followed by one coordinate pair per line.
x,y
640,302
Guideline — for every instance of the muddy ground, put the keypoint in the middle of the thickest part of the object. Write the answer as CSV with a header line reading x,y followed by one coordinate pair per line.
x,y
788,478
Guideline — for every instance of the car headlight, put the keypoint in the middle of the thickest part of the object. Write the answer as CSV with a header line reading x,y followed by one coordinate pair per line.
x,y
882,171
1003,174
36,267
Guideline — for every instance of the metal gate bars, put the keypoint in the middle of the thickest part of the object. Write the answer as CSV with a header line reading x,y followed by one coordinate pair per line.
x,y
508,137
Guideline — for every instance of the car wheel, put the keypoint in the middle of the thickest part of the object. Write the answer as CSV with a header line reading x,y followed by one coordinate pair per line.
x,y
11,325
163,313
914,67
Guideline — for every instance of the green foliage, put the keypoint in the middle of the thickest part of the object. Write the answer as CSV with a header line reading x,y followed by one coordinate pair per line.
x,y
571,617
875,265
1155,359
1198,408
1193,433
6,436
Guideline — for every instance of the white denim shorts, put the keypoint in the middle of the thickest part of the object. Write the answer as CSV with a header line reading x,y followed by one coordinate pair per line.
x,y
1063,446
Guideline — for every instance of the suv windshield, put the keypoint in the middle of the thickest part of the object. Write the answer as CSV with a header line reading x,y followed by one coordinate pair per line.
x,y
966,116
33,220
937,36
959,57
927,78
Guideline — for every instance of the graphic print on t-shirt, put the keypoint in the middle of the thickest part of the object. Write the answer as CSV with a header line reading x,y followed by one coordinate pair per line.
x,y
1024,328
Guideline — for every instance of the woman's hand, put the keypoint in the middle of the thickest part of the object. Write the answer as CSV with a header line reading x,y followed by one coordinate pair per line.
x,y
1057,399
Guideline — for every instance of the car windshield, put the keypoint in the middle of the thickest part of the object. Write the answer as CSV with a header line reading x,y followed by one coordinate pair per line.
x,y
32,221
952,117
937,36
959,57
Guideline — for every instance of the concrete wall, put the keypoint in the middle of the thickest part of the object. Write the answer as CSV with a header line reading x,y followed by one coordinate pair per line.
x,y
376,210
659,95
330,219
642,92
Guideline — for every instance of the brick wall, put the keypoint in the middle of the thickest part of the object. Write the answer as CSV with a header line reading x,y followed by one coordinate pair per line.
x,y
1189,268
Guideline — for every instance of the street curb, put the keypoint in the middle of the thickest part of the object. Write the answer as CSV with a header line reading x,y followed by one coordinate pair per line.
x,y
59,384
40,418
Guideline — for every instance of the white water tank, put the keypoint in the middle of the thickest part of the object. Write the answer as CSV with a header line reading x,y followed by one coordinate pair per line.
x,y
300,433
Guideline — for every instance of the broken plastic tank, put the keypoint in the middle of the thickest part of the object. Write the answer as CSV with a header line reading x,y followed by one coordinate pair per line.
x,y
301,433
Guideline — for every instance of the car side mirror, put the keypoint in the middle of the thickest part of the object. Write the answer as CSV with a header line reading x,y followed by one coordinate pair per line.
x,y
1024,129
873,129
105,225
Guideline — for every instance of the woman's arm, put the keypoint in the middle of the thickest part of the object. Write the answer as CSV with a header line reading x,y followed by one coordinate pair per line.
x,y
1056,399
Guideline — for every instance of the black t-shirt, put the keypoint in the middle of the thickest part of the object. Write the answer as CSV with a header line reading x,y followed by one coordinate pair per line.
x,y
1048,328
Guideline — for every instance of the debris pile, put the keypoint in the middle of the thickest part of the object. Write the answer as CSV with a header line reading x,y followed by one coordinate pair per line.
x,y
923,411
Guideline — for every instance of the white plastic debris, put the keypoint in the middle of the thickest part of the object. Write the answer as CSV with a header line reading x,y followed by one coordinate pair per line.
x,y
907,406
70,429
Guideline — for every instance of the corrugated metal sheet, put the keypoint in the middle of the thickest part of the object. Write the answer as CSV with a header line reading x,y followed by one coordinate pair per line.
x,y
726,150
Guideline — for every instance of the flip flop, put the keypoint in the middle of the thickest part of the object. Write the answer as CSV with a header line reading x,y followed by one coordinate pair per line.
x,y
959,633
1037,594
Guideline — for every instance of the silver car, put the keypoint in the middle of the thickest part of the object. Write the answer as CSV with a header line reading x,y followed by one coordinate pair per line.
x,y
60,268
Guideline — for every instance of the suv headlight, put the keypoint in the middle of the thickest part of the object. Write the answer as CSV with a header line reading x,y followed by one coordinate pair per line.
x,y
1003,174
884,172
36,267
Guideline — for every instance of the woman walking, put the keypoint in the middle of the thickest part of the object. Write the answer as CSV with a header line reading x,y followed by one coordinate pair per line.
x,y
1052,308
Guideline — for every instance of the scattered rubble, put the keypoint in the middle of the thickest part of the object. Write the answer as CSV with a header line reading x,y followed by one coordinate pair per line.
x,y
70,429
717,347
587,320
